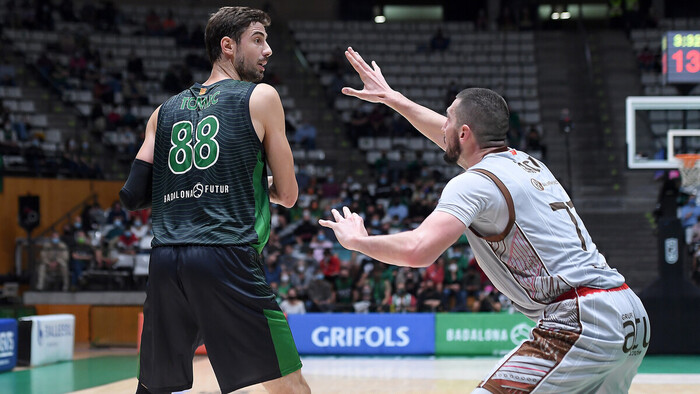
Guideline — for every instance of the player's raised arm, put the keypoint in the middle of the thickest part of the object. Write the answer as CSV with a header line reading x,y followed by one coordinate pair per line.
x,y
415,248
136,193
267,115
377,90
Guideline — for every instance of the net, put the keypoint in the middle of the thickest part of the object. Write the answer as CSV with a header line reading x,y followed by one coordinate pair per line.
x,y
690,172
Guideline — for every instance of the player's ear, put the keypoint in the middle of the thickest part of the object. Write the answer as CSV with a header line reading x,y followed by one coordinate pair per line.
x,y
228,46
464,131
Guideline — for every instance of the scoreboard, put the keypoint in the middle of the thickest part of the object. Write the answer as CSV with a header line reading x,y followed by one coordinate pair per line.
x,y
680,59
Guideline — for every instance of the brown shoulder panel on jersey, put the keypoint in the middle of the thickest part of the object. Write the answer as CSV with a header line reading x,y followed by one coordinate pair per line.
x,y
509,202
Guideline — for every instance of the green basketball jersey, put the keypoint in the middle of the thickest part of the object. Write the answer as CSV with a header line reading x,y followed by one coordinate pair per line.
x,y
209,170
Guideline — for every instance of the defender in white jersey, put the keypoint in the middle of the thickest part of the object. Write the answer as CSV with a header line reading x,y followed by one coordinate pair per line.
x,y
592,330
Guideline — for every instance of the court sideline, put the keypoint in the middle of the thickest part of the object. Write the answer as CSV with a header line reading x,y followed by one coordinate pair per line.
x,y
112,371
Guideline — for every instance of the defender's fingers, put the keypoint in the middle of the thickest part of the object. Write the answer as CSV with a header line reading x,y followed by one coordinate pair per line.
x,y
358,63
327,223
347,212
336,215
350,92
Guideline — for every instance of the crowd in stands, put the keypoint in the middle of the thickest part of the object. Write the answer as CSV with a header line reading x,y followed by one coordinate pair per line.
x,y
96,241
308,270
689,215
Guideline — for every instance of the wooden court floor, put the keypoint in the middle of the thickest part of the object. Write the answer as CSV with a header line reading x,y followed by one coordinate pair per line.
x,y
420,375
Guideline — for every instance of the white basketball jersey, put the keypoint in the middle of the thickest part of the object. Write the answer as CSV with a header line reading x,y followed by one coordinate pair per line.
x,y
545,250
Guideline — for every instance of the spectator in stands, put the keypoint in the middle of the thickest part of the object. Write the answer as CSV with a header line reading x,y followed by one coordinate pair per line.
x,y
436,273
21,127
153,26
292,305
321,296
344,287
128,243
439,42
134,66
471,283
287,259
169,24
77,65
139,228
307,228
489,300
319,243
403,301
330,188
53,260
379,285
301,277
117,213
272,270
429,298
452,289
82,255
365,303
397,209
533,144
306,136
330,265
689,212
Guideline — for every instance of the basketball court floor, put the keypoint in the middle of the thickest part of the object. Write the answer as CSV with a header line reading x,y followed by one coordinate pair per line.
x,y
113,371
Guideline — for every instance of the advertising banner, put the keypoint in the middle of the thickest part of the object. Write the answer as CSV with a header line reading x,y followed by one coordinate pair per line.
x,y
372,333
480,333
8,344
49,338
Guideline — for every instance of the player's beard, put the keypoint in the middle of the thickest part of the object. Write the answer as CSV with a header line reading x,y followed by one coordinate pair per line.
x,y
246,71
452,151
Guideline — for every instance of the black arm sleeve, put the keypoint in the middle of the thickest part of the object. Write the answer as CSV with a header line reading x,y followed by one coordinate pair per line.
x,y
136,193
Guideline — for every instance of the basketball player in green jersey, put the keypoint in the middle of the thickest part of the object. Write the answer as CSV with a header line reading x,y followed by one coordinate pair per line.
x,y
203,168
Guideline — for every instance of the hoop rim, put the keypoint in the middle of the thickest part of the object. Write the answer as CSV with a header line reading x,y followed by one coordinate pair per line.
x,y
688,159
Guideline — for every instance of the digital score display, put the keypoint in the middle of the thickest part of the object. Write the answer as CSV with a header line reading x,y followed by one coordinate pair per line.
x,y
680,61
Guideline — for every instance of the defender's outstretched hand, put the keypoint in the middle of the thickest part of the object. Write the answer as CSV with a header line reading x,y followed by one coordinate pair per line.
x,y
347,229
376,89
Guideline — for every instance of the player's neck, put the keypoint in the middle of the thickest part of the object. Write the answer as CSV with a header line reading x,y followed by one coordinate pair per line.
x,y
480,153
221,71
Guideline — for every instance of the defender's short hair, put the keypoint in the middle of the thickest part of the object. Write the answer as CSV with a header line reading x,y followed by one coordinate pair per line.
x,y
230,22
486,113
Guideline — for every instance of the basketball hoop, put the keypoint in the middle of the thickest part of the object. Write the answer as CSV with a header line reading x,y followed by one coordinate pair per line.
x,y
690,172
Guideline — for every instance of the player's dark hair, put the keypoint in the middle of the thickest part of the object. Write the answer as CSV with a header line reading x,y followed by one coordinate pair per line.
x,y
486,113
230,22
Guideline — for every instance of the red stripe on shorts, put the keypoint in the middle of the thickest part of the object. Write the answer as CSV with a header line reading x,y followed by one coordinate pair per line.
x,y
584,291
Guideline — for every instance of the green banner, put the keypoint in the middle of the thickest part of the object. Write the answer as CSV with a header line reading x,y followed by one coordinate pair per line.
x,y
480,333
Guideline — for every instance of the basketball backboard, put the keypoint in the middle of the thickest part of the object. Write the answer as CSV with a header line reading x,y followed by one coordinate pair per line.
x,y
649,121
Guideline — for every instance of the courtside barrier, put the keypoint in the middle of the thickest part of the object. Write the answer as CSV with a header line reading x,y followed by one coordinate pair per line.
x,y
8,344
480,333
372,333
45,339
468,334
